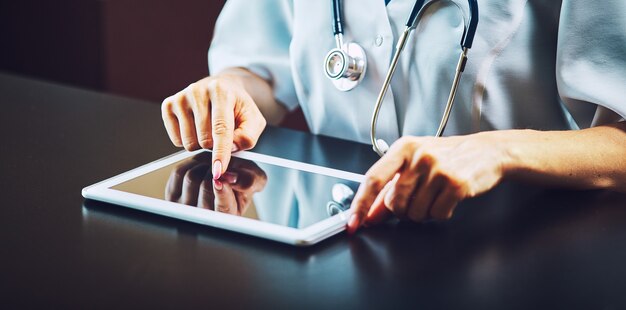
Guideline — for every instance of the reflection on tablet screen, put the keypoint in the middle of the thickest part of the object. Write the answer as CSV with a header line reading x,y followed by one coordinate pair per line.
x,y
256,190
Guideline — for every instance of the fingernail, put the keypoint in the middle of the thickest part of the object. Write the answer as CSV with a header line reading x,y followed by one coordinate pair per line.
x,y
234,148
217,185
229,177
353,223
217,169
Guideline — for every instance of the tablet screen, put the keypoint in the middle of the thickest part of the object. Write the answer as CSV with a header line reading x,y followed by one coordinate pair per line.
x,y
252,189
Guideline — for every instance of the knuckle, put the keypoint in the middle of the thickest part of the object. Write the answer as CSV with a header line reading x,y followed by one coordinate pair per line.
x,y
374,182
205,142
405,142
220,127
167,106
461,190
167,102
455,185
191,87
176,104
444,177
190,144
214,84
189,99
427,159
195,95
423,161
176,141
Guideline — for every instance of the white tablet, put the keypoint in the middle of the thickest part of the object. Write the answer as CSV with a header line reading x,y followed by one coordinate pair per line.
x,y
260,195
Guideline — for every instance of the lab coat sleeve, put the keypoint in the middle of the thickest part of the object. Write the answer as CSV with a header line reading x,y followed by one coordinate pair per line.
x,y
591,64
256,35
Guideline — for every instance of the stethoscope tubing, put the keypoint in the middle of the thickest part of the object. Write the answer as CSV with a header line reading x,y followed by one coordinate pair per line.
x,y
466,43
383,91
417,11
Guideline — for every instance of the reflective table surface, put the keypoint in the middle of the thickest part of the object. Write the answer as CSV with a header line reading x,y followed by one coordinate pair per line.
x,y
518,247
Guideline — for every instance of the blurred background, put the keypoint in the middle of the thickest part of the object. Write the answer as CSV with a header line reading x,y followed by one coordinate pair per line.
x,y
145,49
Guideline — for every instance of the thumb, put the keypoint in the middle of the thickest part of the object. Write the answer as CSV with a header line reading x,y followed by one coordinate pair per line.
x,y
250,125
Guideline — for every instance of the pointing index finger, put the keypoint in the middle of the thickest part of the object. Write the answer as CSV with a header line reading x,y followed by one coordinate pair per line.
x,y
382,172
223,127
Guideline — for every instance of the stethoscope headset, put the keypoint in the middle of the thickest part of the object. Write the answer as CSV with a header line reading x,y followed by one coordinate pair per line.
x,y
346,64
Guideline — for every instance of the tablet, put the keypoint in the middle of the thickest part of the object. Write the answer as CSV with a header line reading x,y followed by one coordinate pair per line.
x,y
259,195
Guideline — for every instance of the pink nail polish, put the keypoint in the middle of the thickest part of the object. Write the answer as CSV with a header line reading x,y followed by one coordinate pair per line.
x,y
218,185
217,170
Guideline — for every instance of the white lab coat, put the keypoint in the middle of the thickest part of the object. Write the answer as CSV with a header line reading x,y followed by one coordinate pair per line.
x,y
547,65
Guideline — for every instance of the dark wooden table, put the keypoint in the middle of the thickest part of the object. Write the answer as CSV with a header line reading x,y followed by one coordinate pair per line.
x,y
518,247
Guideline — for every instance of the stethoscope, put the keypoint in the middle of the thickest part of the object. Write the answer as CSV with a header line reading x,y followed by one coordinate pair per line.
x,y
345,64
342,198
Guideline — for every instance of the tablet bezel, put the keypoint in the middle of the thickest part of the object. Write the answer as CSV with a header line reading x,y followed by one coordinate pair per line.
x,y
309,235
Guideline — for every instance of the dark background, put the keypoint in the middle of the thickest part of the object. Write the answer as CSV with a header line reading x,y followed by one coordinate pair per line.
x,y
145,49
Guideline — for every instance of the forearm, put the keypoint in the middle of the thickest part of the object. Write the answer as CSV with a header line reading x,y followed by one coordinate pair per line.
x,y
262,93
593,158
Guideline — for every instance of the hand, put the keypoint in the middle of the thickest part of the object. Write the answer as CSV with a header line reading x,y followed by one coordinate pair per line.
x,y
233,193
425,177
192,183
214,113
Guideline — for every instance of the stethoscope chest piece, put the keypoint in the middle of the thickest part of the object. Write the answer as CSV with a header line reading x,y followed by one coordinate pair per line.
x,y
342,198
346,66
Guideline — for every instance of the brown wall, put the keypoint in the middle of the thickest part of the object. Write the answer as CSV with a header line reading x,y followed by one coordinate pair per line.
x,y
139,48
153,48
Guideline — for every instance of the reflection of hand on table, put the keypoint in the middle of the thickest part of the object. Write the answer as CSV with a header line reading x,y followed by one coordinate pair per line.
x,y
234,190
191,183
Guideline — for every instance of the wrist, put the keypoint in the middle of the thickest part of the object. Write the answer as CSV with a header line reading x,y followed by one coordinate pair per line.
x,y
238,75
514,150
